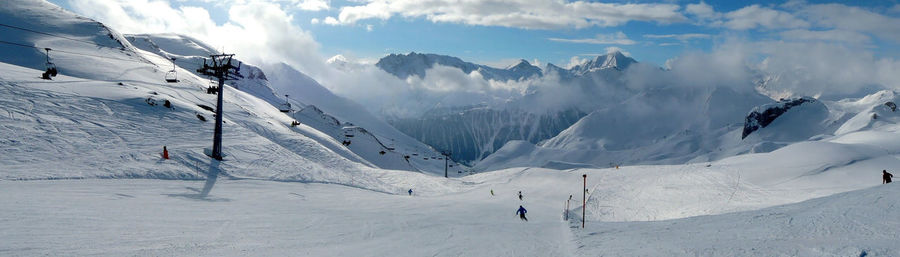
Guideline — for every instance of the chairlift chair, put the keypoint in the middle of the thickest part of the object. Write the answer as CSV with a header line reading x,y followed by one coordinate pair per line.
x,y
212,88
286,106
51,70
172,75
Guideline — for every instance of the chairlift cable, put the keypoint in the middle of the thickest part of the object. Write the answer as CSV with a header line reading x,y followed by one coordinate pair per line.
x,y
50,34
69,52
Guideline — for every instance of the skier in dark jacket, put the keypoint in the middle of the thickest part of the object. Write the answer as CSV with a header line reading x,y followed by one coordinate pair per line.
x,y
886,177
520,195
521,213
410,191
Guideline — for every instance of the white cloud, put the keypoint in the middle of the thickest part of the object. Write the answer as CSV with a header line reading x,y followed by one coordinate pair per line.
x,y
369,27
256,31
701,10
832,70
826,35
314,21
575,61
853,19
331,21
528,14
754,16
613,49
311,5
618,38
680,37
798,20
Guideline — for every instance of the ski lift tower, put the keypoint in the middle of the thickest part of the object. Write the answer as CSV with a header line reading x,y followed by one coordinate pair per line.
x,y
222,69
446,155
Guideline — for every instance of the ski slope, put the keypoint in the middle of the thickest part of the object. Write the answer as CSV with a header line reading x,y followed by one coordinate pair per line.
x,y
264,218
81,174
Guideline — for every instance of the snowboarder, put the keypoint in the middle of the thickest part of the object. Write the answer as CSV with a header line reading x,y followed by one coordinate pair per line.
x,y
886,177
521,212
165,154
520,196
410,191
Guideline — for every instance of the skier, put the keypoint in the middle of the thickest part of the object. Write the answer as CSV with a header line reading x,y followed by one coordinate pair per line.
x,y
165,154
520,196
492,192
521,212
410,191
886,177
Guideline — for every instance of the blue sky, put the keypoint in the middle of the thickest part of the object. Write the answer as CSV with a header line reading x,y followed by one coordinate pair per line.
x,y
401,26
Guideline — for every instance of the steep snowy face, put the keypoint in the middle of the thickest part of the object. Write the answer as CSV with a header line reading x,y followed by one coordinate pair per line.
x,y
474,133
762,116
615,60
415,64
525,69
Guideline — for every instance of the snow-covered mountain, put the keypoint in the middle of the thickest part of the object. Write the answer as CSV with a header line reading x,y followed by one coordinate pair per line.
x,y
618,116
804,180
125,88
303,92
415,64
615,60
473,133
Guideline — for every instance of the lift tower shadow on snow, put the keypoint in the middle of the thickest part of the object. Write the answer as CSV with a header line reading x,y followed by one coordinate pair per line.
x,y
223,70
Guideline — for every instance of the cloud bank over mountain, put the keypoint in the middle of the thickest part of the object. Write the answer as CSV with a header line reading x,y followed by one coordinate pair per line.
x,y
811,49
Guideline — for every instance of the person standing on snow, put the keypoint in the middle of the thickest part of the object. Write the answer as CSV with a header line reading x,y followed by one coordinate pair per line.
x,y
410,191
165,154
520,196
492,192
521,212
886,177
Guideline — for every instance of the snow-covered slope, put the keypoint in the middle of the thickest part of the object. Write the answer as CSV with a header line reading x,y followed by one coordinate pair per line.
x,y
474,133
103,116
189,53
664,125
303,91
858,223
312,100
612,137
